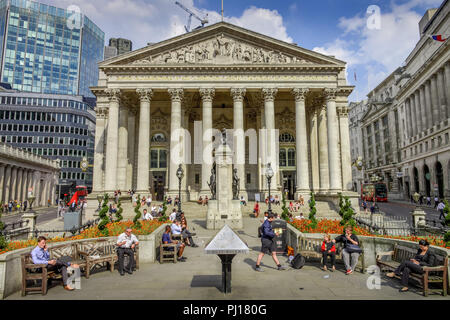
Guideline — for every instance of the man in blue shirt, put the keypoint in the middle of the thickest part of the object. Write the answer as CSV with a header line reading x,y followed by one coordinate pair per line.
x,y
180,246
267,244
40,255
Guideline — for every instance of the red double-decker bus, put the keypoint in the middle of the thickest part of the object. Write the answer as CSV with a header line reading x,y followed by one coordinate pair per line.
x,y
377,190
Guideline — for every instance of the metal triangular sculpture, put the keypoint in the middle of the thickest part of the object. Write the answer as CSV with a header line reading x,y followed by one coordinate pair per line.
x,y
226,241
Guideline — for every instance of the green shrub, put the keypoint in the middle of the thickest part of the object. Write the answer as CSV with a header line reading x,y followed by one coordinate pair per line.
x,y
285,210
103,216
312,211
119,212
137,223
3,242
347,213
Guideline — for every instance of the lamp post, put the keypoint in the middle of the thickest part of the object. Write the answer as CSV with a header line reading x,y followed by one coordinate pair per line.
x,y
269,175
180,175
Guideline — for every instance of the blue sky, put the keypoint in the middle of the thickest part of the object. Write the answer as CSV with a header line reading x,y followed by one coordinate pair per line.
x,y
334,27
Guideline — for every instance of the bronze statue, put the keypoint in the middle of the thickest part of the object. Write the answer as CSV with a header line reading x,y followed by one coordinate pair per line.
x,y
235,185
212,182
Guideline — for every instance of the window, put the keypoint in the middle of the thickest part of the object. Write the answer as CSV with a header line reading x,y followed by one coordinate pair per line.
x,y
197,178
282,157
249,178
291,157
159,137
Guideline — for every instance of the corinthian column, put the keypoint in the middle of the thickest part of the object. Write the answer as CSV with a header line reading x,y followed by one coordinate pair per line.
x,y
2,180
441,95
333,140
346,164
301,142
99,149
145,95
428,104
112,141
314,150
423,109
324,178
418,112
239,137
447,85
7,184
176,143
434,100
122,160
271,152
13,183
207,95
131,148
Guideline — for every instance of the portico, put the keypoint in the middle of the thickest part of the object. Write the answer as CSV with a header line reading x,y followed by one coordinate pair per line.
x,y
165,105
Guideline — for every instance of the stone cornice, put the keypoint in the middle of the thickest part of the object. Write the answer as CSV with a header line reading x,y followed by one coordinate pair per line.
x,y
120,69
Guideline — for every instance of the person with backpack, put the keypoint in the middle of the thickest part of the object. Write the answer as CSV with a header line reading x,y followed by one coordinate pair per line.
x,y
328,250
267,244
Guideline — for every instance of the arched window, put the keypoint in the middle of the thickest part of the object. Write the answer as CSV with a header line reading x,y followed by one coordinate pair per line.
x,y
282,157
159,137
291,157
286,137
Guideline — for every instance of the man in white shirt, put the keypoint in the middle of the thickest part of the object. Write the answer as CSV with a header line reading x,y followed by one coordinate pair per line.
x,y
173,215
176,227
126,243
154,210
147,215
149,201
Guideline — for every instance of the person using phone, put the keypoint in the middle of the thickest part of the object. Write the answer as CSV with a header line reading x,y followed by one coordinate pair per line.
x,y
348,238
40,255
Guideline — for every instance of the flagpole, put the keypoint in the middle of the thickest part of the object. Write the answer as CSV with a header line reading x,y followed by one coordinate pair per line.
x,y
222,10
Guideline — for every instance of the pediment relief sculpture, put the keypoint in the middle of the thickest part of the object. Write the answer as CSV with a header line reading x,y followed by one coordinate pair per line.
x,y
222,49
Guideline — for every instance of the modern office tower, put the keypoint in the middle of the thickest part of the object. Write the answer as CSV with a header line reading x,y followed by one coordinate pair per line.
x,y
122,45
53,126
45,49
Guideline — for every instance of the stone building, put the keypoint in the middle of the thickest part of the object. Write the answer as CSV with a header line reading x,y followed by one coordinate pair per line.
x,y
222,77
22,171
424,97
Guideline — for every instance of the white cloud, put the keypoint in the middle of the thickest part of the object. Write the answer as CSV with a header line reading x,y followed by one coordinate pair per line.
x,y
143,22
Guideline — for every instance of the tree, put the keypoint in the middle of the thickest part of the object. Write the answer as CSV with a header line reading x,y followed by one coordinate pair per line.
x,y
285,211
137,223
312,212
103,216
119,212
347,213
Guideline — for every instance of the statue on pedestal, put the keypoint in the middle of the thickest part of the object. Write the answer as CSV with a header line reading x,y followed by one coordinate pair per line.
x,y
212,182
224,136
235,185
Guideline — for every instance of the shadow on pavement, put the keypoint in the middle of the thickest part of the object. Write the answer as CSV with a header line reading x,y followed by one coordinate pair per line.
x,y
206,281
201,223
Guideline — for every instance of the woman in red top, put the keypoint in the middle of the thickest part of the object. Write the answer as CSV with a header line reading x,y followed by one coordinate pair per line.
x,y
328,249
291,206
256,209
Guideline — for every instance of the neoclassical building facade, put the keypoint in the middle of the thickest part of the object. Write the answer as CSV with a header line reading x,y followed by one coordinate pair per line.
x,y
156,107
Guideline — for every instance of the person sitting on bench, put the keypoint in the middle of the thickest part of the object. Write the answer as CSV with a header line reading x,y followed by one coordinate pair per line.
x,y
126,243
180,246
187,235
423,258
40,255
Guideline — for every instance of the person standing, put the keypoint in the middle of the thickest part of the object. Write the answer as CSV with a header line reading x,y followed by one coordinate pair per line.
x,y
267,244
256,209
428,201
126,243
440,207
25,204
436,202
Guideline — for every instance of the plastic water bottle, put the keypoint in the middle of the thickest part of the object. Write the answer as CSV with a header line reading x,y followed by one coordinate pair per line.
x,y
326,276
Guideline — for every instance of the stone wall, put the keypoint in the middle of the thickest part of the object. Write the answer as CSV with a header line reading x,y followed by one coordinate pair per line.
x,y
11,268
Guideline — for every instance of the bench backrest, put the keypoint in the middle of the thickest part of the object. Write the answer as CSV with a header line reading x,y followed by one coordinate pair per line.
x,y
402,253
315,245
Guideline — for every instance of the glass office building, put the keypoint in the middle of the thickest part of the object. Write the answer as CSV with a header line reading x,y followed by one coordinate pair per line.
x,y
45,49
54,126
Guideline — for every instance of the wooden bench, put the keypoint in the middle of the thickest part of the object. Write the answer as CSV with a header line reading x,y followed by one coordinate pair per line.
x,y
38,272
312,248
100,252
435,274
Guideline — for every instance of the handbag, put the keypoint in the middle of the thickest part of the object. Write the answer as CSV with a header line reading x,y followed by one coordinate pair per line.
x,y
353,248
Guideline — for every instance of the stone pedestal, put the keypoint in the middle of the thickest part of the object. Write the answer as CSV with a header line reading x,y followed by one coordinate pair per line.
x,y
418,217
224,210
30,216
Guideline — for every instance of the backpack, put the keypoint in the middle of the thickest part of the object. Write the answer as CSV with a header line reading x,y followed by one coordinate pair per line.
x,y
260,231
298,262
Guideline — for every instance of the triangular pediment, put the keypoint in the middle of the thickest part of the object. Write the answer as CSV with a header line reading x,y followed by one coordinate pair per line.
x,y
222,44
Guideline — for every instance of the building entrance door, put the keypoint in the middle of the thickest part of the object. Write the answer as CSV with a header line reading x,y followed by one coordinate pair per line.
x,y
159,178
289,184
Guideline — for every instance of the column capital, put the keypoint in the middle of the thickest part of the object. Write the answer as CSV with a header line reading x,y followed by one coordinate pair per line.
x,y
238,94
113,94
207,94
342,111
101,112
299,93
330,94
269,94
176,94
145,94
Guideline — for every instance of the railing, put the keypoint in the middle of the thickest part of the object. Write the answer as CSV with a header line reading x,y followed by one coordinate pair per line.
x,y
15,225
73,231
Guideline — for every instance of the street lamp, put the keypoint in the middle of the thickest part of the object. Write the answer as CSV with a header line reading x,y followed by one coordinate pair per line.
x,y
269,175
99,199
180,175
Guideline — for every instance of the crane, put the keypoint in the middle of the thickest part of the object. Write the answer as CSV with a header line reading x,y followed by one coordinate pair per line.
x,y
188,27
